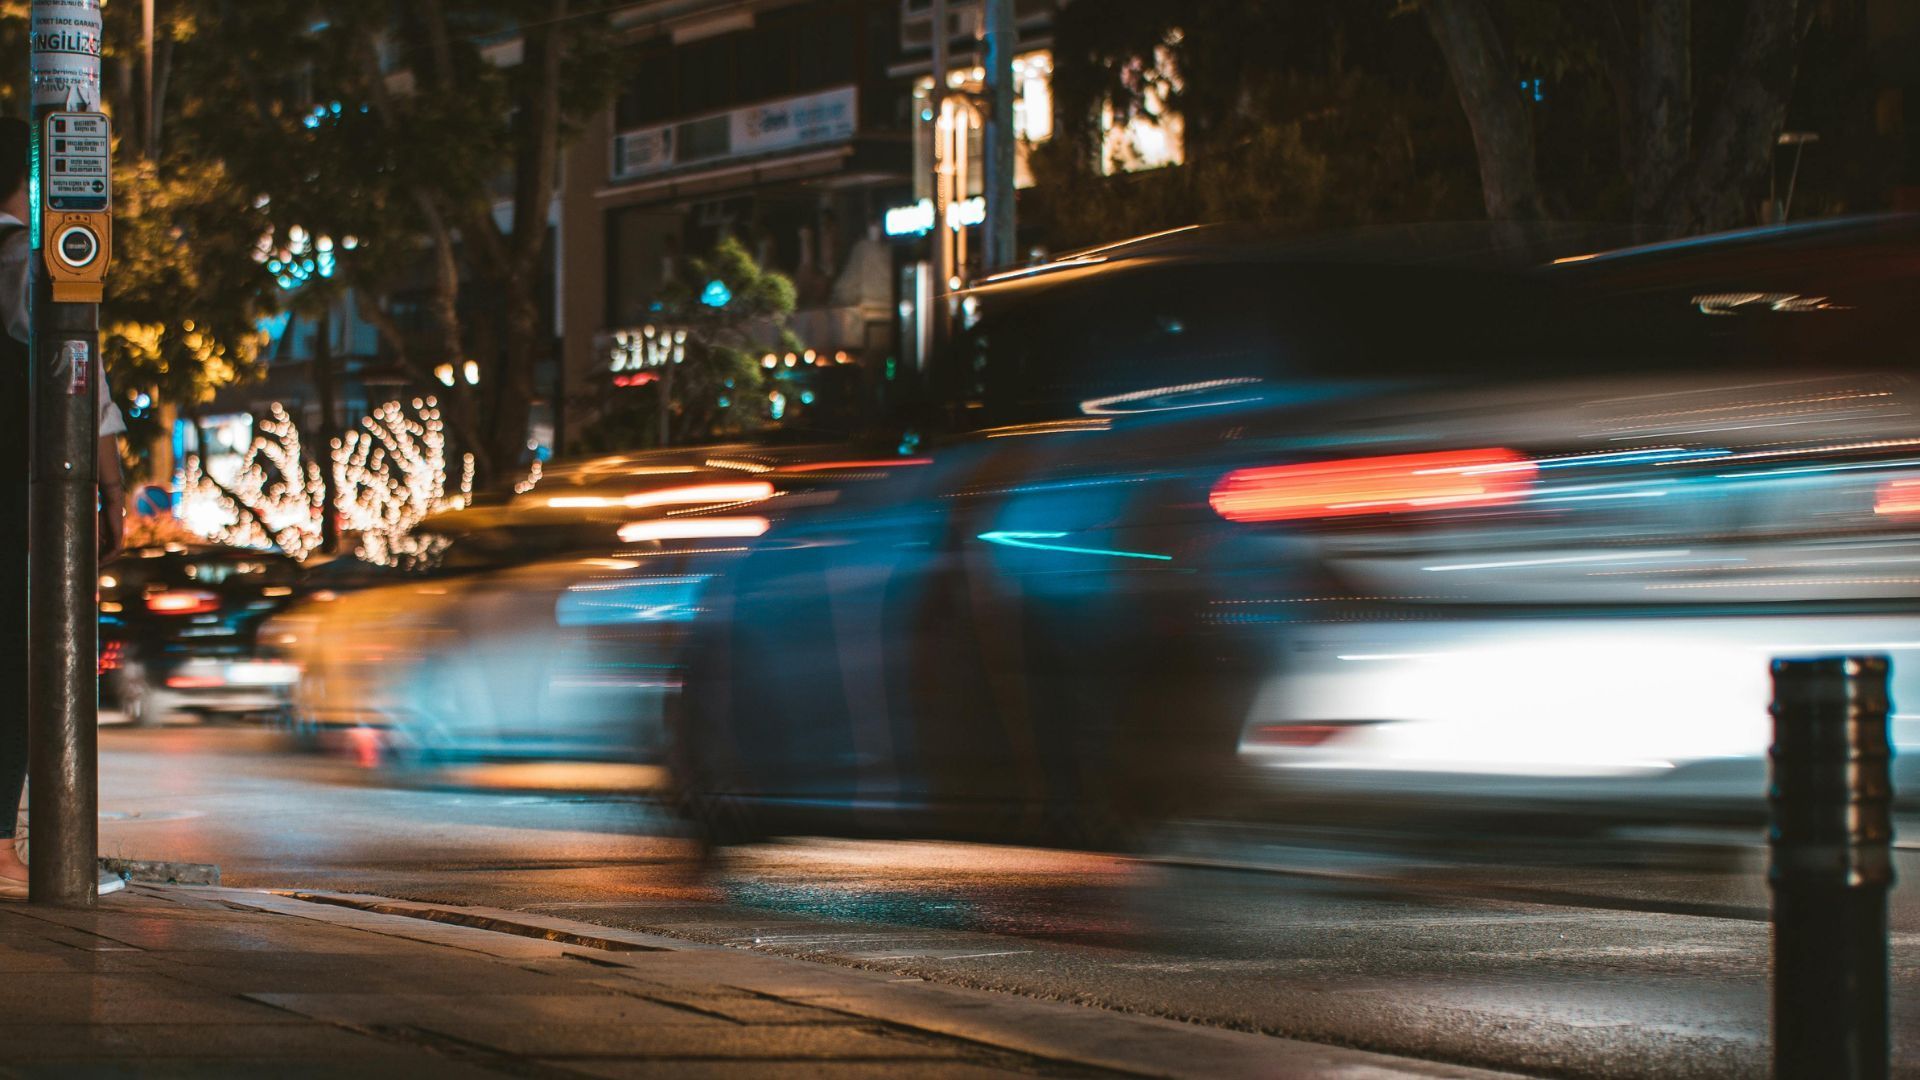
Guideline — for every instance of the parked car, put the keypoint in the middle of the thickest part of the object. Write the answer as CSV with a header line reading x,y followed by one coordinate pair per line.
x,y
179,627
1212,508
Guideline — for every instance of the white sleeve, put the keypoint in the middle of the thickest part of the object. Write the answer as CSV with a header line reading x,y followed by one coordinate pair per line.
x,y
111,422
14,257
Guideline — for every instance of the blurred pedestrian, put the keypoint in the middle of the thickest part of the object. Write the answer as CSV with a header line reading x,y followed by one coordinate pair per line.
x,y
16,270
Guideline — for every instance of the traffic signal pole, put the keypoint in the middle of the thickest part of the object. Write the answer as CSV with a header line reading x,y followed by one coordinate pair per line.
x,y
71,197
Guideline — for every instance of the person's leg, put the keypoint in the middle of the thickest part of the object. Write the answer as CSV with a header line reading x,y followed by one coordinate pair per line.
x,y
13,684
12,612
13,605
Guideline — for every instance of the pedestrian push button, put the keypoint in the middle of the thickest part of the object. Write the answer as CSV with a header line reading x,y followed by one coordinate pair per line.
x,y
78,247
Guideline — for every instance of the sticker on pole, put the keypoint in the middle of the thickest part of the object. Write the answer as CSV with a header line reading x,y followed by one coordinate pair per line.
x,y
65,37
75,362
76,154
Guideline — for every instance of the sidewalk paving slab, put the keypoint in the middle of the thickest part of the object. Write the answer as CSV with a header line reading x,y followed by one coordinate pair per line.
x,y
205,981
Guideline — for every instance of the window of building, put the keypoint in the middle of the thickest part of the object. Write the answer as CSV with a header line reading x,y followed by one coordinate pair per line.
x,y
1032,119
1150,133
789,51
704,74
649,96
641,245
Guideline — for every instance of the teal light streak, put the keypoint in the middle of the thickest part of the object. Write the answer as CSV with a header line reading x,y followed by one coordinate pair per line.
x,y
1032,541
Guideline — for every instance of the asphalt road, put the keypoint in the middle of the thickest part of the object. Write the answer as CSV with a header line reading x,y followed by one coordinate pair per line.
x,y
1640,953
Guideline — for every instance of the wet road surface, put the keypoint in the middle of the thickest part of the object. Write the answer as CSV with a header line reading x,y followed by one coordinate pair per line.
x,y
1632,954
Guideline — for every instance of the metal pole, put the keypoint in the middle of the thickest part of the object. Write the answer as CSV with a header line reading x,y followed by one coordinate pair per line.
x,y
940,238
1001,40
1831,800
71,230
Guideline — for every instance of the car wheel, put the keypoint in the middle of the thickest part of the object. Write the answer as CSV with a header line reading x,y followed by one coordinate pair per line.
x,y
713,820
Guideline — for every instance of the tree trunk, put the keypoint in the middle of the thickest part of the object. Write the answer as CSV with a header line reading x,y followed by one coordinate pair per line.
x,y
1721,185
459,421
665,386
1661,127
1486,80
510,394
519,260
329,434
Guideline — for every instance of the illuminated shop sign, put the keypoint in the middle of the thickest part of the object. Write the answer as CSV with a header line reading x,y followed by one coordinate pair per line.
x,y
789,124
917,220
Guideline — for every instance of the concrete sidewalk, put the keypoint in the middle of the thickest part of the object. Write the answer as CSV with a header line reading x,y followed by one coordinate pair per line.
x,y
164,981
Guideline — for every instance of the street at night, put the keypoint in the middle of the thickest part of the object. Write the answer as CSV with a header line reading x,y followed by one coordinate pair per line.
x,y
1636,952
739,539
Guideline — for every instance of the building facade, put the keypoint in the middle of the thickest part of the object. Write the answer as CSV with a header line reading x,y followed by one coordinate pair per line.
x,y
801,128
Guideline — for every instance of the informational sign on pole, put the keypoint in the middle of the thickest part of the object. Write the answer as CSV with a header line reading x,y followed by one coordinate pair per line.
x,y
72,199
76,220
66,54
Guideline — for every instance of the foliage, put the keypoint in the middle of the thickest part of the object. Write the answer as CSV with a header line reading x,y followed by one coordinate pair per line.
x,y
184,299
1327,111
732,312
1354,111
724,341
406,127
182,303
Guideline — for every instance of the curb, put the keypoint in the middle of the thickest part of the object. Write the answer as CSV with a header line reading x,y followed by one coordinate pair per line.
x,y
151,872
1071,1034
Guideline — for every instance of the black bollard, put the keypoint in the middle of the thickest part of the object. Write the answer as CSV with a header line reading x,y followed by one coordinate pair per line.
x,y
1831,799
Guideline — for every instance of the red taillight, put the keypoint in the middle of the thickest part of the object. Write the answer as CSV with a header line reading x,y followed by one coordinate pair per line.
x,y
195,682
1897,497
182,602
1294,735
112,655
1376,485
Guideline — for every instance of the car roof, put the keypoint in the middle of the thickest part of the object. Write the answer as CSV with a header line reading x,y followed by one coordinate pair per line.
x,y
1575,253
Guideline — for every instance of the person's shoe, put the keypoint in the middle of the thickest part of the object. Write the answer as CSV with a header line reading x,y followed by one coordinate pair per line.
x,y
111,882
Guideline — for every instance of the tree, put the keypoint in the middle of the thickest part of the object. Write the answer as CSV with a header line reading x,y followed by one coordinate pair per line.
x,y
730,309
407,127
183,302
703,358
1700,96
1321,111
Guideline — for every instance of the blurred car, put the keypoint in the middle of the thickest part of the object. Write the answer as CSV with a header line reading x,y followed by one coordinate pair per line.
x,y
1360,521
548,625
179,627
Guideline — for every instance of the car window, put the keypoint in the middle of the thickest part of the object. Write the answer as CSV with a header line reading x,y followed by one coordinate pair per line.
x,y
1047,353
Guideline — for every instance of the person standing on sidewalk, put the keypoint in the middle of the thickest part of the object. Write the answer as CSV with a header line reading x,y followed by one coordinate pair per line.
x,y
16,270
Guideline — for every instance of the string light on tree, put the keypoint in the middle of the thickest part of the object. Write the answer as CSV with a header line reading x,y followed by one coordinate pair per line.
x,y
275,498
648,347
390,473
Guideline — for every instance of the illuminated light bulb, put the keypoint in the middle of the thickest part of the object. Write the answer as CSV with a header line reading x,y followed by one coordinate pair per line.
x,y
472,372
444,373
